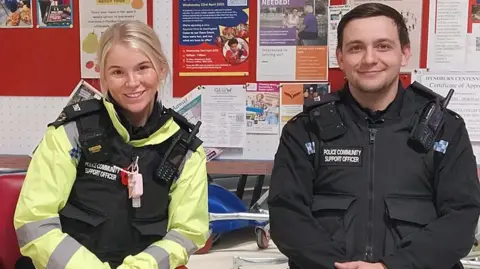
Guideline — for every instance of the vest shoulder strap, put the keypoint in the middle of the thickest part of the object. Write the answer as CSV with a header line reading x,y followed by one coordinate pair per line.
x,y
325,118
424,91
324,123
94,136
189,130
184,140
441,134
78,110
436,154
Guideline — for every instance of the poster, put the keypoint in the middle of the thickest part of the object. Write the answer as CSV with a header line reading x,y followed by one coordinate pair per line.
x,y
190,106
214,38
96,17
335,14
223,116
454,35
293,96
412,14
263,108
15,14
83,91
292,40
54,14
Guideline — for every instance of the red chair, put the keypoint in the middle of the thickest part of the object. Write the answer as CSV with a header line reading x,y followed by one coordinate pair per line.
x,y
10,186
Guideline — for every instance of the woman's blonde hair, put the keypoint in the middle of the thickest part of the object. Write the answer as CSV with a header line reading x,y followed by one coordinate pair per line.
x,y
133,34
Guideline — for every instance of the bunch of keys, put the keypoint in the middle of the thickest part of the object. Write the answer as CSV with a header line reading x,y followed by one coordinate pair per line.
x,y
135,183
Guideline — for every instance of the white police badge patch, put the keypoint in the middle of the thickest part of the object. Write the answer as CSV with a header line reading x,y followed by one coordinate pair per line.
x,y
342,155
310,146
441,146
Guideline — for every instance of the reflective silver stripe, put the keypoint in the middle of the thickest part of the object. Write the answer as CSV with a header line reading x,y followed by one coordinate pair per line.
x,y
182,241
63,253
33,230
160,255
72,133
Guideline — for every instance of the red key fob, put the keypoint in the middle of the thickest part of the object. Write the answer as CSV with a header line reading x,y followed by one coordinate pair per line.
x,y
124,177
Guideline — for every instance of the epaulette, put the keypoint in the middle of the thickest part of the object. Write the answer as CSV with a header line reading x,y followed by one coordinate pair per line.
x,y
454,114
190,129
311,104
77,110
424,91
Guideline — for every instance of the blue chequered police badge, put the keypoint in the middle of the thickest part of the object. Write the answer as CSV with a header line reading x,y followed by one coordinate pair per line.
x,y
441,146
75,153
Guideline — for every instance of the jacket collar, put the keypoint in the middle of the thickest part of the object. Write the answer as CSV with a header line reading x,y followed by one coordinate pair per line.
x,y
154,122
361,114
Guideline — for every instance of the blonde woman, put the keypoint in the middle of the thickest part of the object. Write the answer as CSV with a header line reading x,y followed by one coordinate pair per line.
x,y
121,182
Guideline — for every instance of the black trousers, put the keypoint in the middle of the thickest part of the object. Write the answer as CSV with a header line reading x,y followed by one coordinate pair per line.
x,y
24,263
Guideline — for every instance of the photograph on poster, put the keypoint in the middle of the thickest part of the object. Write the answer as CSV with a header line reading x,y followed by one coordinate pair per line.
x,y
15,14
296,23
314,91
54,14
236,50
292,34
476,13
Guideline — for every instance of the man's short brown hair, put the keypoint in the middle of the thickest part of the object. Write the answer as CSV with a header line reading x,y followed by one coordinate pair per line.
x,y
369,10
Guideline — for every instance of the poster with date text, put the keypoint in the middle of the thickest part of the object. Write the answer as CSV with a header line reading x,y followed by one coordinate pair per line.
x,y
292,40
95,17
214,38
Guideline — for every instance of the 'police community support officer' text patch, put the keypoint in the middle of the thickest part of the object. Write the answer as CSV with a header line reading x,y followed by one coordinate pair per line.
x,y
341,155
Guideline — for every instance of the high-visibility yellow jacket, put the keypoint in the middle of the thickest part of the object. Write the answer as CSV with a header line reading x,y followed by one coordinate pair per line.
x,y
48,183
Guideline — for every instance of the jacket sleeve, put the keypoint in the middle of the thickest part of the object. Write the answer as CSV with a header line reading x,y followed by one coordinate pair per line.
x,y
188,226
293,228
450,237
45,191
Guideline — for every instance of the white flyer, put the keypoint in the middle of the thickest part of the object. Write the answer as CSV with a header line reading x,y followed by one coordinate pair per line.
x,y
223,116
190,106
335,14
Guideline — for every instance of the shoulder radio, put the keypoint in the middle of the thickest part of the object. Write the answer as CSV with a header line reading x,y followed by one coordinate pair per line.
x,y
429,121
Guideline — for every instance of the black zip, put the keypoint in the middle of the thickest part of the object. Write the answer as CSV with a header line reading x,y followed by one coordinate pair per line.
x,y
369,247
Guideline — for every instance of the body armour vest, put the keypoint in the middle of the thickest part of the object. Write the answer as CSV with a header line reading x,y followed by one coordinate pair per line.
x,y
99,212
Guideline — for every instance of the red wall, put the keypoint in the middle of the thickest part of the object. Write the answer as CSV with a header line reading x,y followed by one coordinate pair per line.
x,y
46,62
42,62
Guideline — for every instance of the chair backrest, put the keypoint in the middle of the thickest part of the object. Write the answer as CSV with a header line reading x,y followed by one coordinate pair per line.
x,y
10,186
